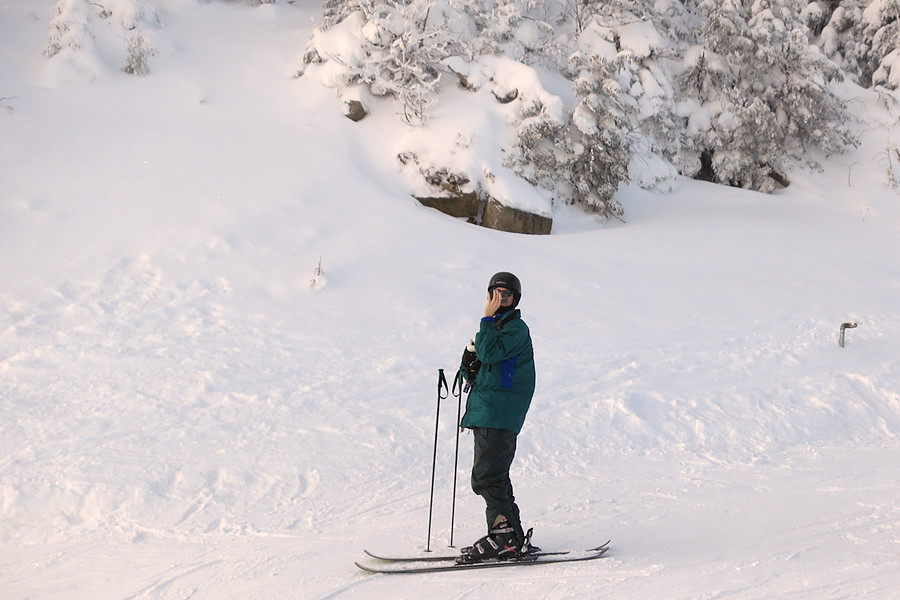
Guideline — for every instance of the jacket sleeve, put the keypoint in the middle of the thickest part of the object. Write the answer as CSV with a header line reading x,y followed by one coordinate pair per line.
x,y
494,346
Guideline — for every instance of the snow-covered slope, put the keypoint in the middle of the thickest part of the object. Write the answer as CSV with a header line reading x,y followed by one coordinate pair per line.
x,y
190,411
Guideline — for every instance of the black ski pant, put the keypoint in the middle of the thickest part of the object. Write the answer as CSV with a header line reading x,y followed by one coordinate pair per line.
x,y
494,453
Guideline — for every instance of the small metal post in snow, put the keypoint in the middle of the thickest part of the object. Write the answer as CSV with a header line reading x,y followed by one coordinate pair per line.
x,y
845,326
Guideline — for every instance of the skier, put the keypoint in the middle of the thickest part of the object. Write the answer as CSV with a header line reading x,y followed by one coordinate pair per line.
x,y
499,365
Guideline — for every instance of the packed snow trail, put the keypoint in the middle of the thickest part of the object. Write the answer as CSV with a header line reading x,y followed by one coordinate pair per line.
x,y
187,409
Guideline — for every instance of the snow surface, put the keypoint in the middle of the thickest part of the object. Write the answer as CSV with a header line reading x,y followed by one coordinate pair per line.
x,y
190,410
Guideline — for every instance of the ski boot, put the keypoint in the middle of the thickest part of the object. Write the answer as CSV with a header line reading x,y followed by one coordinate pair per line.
x,y
501,543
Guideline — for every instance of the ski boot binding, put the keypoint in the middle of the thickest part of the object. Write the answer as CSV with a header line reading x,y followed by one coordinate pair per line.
x,y
501,543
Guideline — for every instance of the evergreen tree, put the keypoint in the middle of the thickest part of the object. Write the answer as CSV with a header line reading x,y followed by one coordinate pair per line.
x,y
882,27
862,37
599,149
727,90
580,158
837,30
764,89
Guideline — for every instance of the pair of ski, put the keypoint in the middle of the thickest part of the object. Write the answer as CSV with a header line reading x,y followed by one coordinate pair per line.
x,y
438,564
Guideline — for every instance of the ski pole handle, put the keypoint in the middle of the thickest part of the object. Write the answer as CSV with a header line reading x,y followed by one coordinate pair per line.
x,y
442,385
458,382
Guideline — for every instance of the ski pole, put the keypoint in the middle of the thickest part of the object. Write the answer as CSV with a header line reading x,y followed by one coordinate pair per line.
x,y
441,394
458,394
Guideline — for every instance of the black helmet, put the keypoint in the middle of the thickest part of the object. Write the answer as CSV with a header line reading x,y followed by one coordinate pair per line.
x,y
505,280
510,282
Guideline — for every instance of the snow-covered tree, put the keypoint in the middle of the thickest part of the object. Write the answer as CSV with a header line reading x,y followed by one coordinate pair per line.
x,y
402,46
576,157
728,90
882,26
523,30
836,30
621,126
862,37
598,147
335,11
755,94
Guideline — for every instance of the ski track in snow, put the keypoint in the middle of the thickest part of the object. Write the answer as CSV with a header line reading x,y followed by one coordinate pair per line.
x,y
187,410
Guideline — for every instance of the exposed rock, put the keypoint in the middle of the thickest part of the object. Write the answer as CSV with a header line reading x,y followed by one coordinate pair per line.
x,y
463,205
355,111
450,199
514,220
506,97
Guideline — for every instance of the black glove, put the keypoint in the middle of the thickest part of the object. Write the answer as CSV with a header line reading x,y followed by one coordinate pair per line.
x,y
470,362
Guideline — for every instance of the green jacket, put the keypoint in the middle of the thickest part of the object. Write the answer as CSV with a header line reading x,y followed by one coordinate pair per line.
x,y
502,390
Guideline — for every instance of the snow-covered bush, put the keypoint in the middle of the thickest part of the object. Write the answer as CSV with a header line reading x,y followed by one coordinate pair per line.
x,y
140,49
70,27
73,32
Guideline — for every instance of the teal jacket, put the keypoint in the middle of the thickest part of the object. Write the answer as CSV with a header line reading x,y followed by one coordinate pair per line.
x,y
502,390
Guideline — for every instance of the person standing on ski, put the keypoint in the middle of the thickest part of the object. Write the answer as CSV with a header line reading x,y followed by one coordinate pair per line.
x,y
499,366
